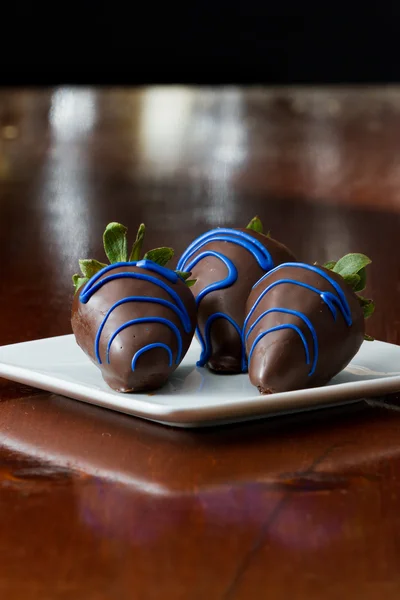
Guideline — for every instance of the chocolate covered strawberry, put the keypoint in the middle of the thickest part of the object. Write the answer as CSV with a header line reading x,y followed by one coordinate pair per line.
x,y
134,318
305,323
226,263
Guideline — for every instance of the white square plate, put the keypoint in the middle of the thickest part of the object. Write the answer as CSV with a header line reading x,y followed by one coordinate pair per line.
x,y
194,396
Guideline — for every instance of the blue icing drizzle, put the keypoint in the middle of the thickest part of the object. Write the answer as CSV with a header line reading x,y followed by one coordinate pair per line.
x,y
150,347
96,282
301,316
233,236
218,285
344,305
277,328
166,322
207,347
240,238
330,299
150,265
137,299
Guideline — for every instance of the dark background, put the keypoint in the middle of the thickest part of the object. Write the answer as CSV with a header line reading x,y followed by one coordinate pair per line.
x,y
199,42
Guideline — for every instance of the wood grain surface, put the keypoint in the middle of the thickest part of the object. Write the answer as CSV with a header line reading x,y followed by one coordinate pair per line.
x,y
98,505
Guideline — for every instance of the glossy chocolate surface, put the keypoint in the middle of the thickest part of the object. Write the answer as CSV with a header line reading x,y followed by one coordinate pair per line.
x,y
136,322
101,506
304,324
221,310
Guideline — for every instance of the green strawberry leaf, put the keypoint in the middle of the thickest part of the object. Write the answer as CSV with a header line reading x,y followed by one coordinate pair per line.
x,y
352,280
329,265
184,274
256,225
352,267
137,246
368,338
90,266
362,274
78,280
115,244
367,305
160,255
351,264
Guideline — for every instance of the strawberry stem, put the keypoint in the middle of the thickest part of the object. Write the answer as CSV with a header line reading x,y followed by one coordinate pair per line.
x,y
352,267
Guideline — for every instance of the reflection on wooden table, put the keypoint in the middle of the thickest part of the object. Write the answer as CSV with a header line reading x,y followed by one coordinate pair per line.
x,y
100,505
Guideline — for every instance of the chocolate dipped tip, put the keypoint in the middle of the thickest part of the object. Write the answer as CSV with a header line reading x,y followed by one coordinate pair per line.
x,y
282,366
224,363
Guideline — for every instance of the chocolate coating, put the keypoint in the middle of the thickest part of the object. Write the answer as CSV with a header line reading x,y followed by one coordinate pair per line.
x,y
278,361
152,367
227,349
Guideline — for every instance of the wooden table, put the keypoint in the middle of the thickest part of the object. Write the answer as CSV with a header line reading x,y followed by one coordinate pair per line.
x,y
98,505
